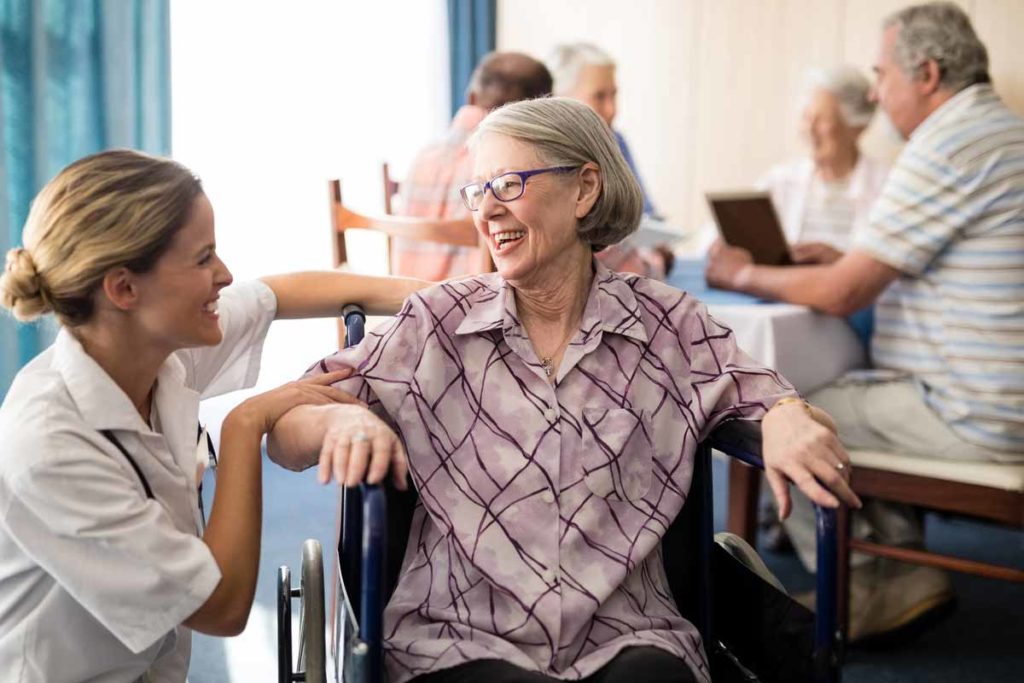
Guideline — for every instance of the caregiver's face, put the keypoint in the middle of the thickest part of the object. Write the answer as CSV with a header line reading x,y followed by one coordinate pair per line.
x,y
527,235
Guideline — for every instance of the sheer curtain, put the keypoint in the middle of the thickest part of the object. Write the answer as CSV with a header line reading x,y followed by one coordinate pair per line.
x,y
270,100
75,78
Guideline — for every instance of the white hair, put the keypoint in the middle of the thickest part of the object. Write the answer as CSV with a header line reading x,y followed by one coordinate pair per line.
x,y
567,61
850,88
940,31
564,132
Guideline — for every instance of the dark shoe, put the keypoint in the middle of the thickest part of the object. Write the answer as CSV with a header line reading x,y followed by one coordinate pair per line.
x,y
748,557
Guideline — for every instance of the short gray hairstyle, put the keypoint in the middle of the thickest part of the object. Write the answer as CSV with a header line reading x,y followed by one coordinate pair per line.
x,y
943,32
564,132
850,87
567,61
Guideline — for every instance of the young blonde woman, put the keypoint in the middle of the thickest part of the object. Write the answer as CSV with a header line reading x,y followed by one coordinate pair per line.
x,y
103,572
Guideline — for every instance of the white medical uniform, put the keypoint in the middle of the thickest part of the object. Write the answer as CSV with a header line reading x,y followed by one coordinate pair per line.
x,y
96,579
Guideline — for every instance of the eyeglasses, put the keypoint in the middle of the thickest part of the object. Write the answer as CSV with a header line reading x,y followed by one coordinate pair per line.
x,y
505,187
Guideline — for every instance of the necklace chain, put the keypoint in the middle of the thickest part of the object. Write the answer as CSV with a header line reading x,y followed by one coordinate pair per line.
x,y
547,362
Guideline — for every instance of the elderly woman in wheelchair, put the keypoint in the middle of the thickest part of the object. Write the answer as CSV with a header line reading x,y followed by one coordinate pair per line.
x,y
549,414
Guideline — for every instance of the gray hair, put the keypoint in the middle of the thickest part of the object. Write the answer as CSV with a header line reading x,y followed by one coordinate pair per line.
x,y
850,88
564,132
567,61
943,32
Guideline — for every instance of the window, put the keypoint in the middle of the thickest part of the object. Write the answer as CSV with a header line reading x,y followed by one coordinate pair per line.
x,y
269,101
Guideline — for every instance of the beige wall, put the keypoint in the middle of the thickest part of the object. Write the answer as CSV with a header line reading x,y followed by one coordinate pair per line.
x,y
709,88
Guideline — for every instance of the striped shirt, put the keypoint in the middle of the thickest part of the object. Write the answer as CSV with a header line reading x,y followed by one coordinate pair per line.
x,y
951,219
830,213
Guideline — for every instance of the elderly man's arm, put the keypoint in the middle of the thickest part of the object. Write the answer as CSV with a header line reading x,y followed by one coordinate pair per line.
x,y
841,288
316,294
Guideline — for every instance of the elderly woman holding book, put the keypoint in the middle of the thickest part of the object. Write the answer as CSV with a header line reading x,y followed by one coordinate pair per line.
x,y
549,414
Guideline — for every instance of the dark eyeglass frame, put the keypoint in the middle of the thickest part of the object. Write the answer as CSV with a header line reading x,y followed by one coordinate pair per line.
x,y
523,175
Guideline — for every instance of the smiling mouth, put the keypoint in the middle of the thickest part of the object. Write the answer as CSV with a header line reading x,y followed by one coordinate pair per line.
x,y
210,307
503,240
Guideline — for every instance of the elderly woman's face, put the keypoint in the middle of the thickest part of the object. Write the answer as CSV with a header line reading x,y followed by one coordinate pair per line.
x,y
527,236
824,128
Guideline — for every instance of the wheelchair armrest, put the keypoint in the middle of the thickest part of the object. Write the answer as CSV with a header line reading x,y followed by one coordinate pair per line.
x,y
740,439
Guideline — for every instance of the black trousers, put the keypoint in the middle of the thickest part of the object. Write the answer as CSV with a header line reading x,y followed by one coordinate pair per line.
x,y
632,665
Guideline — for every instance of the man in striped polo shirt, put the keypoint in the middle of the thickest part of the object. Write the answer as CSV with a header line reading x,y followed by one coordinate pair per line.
x,y
943,258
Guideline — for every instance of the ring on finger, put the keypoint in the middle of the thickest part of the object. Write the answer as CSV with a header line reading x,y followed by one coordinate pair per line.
x,y
359,437
840,466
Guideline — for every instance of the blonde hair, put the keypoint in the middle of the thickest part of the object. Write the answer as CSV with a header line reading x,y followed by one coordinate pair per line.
x,y
116,208
564,132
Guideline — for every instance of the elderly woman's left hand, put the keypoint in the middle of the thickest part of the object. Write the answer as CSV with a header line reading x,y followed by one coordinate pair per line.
x,y
727,266
800,449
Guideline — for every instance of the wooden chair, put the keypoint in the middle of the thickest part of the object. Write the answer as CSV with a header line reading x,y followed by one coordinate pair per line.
x,y
461,233
983,491
391,189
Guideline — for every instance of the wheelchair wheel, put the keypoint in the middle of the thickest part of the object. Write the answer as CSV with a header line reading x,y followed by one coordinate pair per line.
x,y
312,651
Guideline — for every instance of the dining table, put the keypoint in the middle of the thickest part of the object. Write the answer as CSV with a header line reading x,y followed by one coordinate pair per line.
x,y
808,348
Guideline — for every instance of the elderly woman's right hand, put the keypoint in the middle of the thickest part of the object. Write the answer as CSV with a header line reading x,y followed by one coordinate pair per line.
x,y
805,450
359,444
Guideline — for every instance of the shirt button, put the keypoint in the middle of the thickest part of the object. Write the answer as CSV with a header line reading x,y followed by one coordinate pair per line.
x,y
547,497
550,415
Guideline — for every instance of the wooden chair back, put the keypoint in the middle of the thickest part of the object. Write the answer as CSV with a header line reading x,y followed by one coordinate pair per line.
x,y
460,233
391,189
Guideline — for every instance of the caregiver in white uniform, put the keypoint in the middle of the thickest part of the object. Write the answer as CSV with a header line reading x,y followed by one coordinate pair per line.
x,y
102,570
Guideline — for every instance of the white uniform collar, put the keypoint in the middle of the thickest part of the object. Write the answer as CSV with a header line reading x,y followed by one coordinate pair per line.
x,y
104,405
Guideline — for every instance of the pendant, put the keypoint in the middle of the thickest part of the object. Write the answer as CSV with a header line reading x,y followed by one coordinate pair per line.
x,y
546,364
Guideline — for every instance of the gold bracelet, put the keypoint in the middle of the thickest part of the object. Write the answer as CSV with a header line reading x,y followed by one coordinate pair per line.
x,y
794,399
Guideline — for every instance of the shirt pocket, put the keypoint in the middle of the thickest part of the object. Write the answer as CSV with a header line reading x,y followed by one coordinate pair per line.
x,y
618,453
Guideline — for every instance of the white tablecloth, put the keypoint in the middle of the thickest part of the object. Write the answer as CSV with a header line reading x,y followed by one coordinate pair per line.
x,y
809,349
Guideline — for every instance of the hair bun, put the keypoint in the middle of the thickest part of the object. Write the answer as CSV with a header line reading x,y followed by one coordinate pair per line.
x,y
21,288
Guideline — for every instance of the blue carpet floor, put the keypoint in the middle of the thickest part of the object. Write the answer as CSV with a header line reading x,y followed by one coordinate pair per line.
x,y
982,640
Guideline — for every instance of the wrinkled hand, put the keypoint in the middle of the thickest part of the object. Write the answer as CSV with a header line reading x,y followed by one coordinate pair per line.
x,y
814,253
796,448
359,444
727,266
263,410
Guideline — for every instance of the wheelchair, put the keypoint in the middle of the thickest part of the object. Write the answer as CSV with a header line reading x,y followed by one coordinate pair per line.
x,y
373,529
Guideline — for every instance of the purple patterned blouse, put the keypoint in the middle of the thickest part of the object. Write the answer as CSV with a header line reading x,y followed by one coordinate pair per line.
x,y
537,536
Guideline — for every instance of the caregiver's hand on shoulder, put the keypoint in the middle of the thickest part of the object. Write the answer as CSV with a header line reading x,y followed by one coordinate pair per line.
x,y
262,411
798,448
358,445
